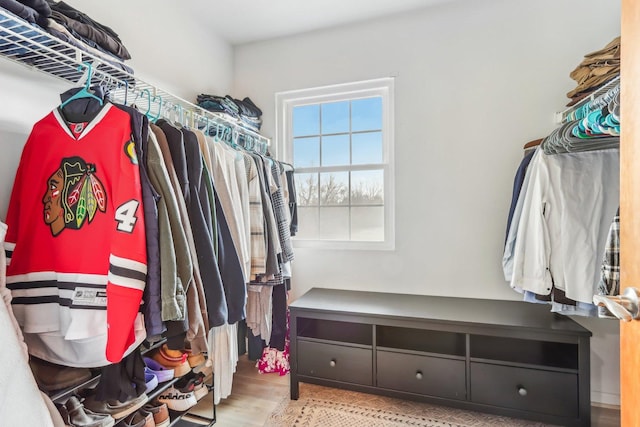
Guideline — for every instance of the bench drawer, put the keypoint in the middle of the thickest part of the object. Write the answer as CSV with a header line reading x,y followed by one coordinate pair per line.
x,y
335,362
433,376
546,392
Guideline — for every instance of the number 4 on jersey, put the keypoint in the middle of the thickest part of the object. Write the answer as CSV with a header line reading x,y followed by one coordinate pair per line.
x,y
126,216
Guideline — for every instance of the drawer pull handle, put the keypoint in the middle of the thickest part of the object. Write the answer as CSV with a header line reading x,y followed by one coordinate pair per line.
x,y
419,375
332,363
522,391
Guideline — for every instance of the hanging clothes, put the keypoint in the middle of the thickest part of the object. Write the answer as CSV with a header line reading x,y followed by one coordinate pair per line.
x,y
209,270
175,259
152,298
197,312
558,245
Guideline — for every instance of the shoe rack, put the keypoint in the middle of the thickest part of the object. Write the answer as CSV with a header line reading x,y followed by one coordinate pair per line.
x,y
177,420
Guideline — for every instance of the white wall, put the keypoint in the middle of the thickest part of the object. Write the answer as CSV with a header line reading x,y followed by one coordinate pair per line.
x,y
475,80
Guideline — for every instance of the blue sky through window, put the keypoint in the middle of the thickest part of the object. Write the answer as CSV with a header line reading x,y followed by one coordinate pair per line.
x,y
359,115
335,117
306,120
366,114
366,148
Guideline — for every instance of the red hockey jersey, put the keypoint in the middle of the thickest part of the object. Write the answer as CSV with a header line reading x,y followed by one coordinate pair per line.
x,y
76,240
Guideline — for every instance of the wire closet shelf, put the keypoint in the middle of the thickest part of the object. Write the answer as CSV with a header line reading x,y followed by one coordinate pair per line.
x,y
608,90
33,47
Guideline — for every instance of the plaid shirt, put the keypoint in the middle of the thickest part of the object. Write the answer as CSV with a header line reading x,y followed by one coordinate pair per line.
x,y
258,245
280,208
610,270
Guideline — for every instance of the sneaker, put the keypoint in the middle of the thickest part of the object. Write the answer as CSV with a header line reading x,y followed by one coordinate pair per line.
x,y
193,381
163,374
201,389
139,419
179,399
160,413
150,379
50,376
115,408
172,359
78,416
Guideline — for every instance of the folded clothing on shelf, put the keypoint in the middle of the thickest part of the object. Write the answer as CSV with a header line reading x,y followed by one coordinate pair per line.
x,y
77,15
595,70
243,110
29,39
92,35
32,11
63,34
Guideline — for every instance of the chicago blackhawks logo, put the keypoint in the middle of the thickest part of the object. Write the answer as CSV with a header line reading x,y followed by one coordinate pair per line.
x,y
74,195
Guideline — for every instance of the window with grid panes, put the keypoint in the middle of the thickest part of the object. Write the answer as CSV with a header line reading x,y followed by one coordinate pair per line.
x,y
340,142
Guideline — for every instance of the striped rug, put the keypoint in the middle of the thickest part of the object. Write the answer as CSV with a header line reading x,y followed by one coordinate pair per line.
x,y
328,407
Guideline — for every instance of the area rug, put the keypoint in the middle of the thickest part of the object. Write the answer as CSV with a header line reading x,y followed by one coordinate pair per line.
x,y
328,407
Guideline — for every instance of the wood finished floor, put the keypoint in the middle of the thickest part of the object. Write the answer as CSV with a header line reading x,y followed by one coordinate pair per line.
x,y
255,396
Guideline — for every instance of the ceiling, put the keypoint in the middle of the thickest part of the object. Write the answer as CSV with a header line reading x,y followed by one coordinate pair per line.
x,y
245,21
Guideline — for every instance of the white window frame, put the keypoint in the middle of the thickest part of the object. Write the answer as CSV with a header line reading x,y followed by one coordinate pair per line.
x,y
384,87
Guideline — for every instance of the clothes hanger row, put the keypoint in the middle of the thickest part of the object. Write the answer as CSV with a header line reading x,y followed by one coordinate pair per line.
x,y
229,134
154,107
595,104
562,140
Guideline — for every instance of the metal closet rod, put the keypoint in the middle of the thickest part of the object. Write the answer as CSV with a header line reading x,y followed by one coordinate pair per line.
x,y
162,100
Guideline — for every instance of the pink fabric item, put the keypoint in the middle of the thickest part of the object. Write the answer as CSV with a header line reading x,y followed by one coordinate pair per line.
x,y
274,360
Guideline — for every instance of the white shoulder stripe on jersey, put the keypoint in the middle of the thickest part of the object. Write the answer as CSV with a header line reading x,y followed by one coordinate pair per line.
x,y
92,124
96,279
9,246
127,263
126,282
62,123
